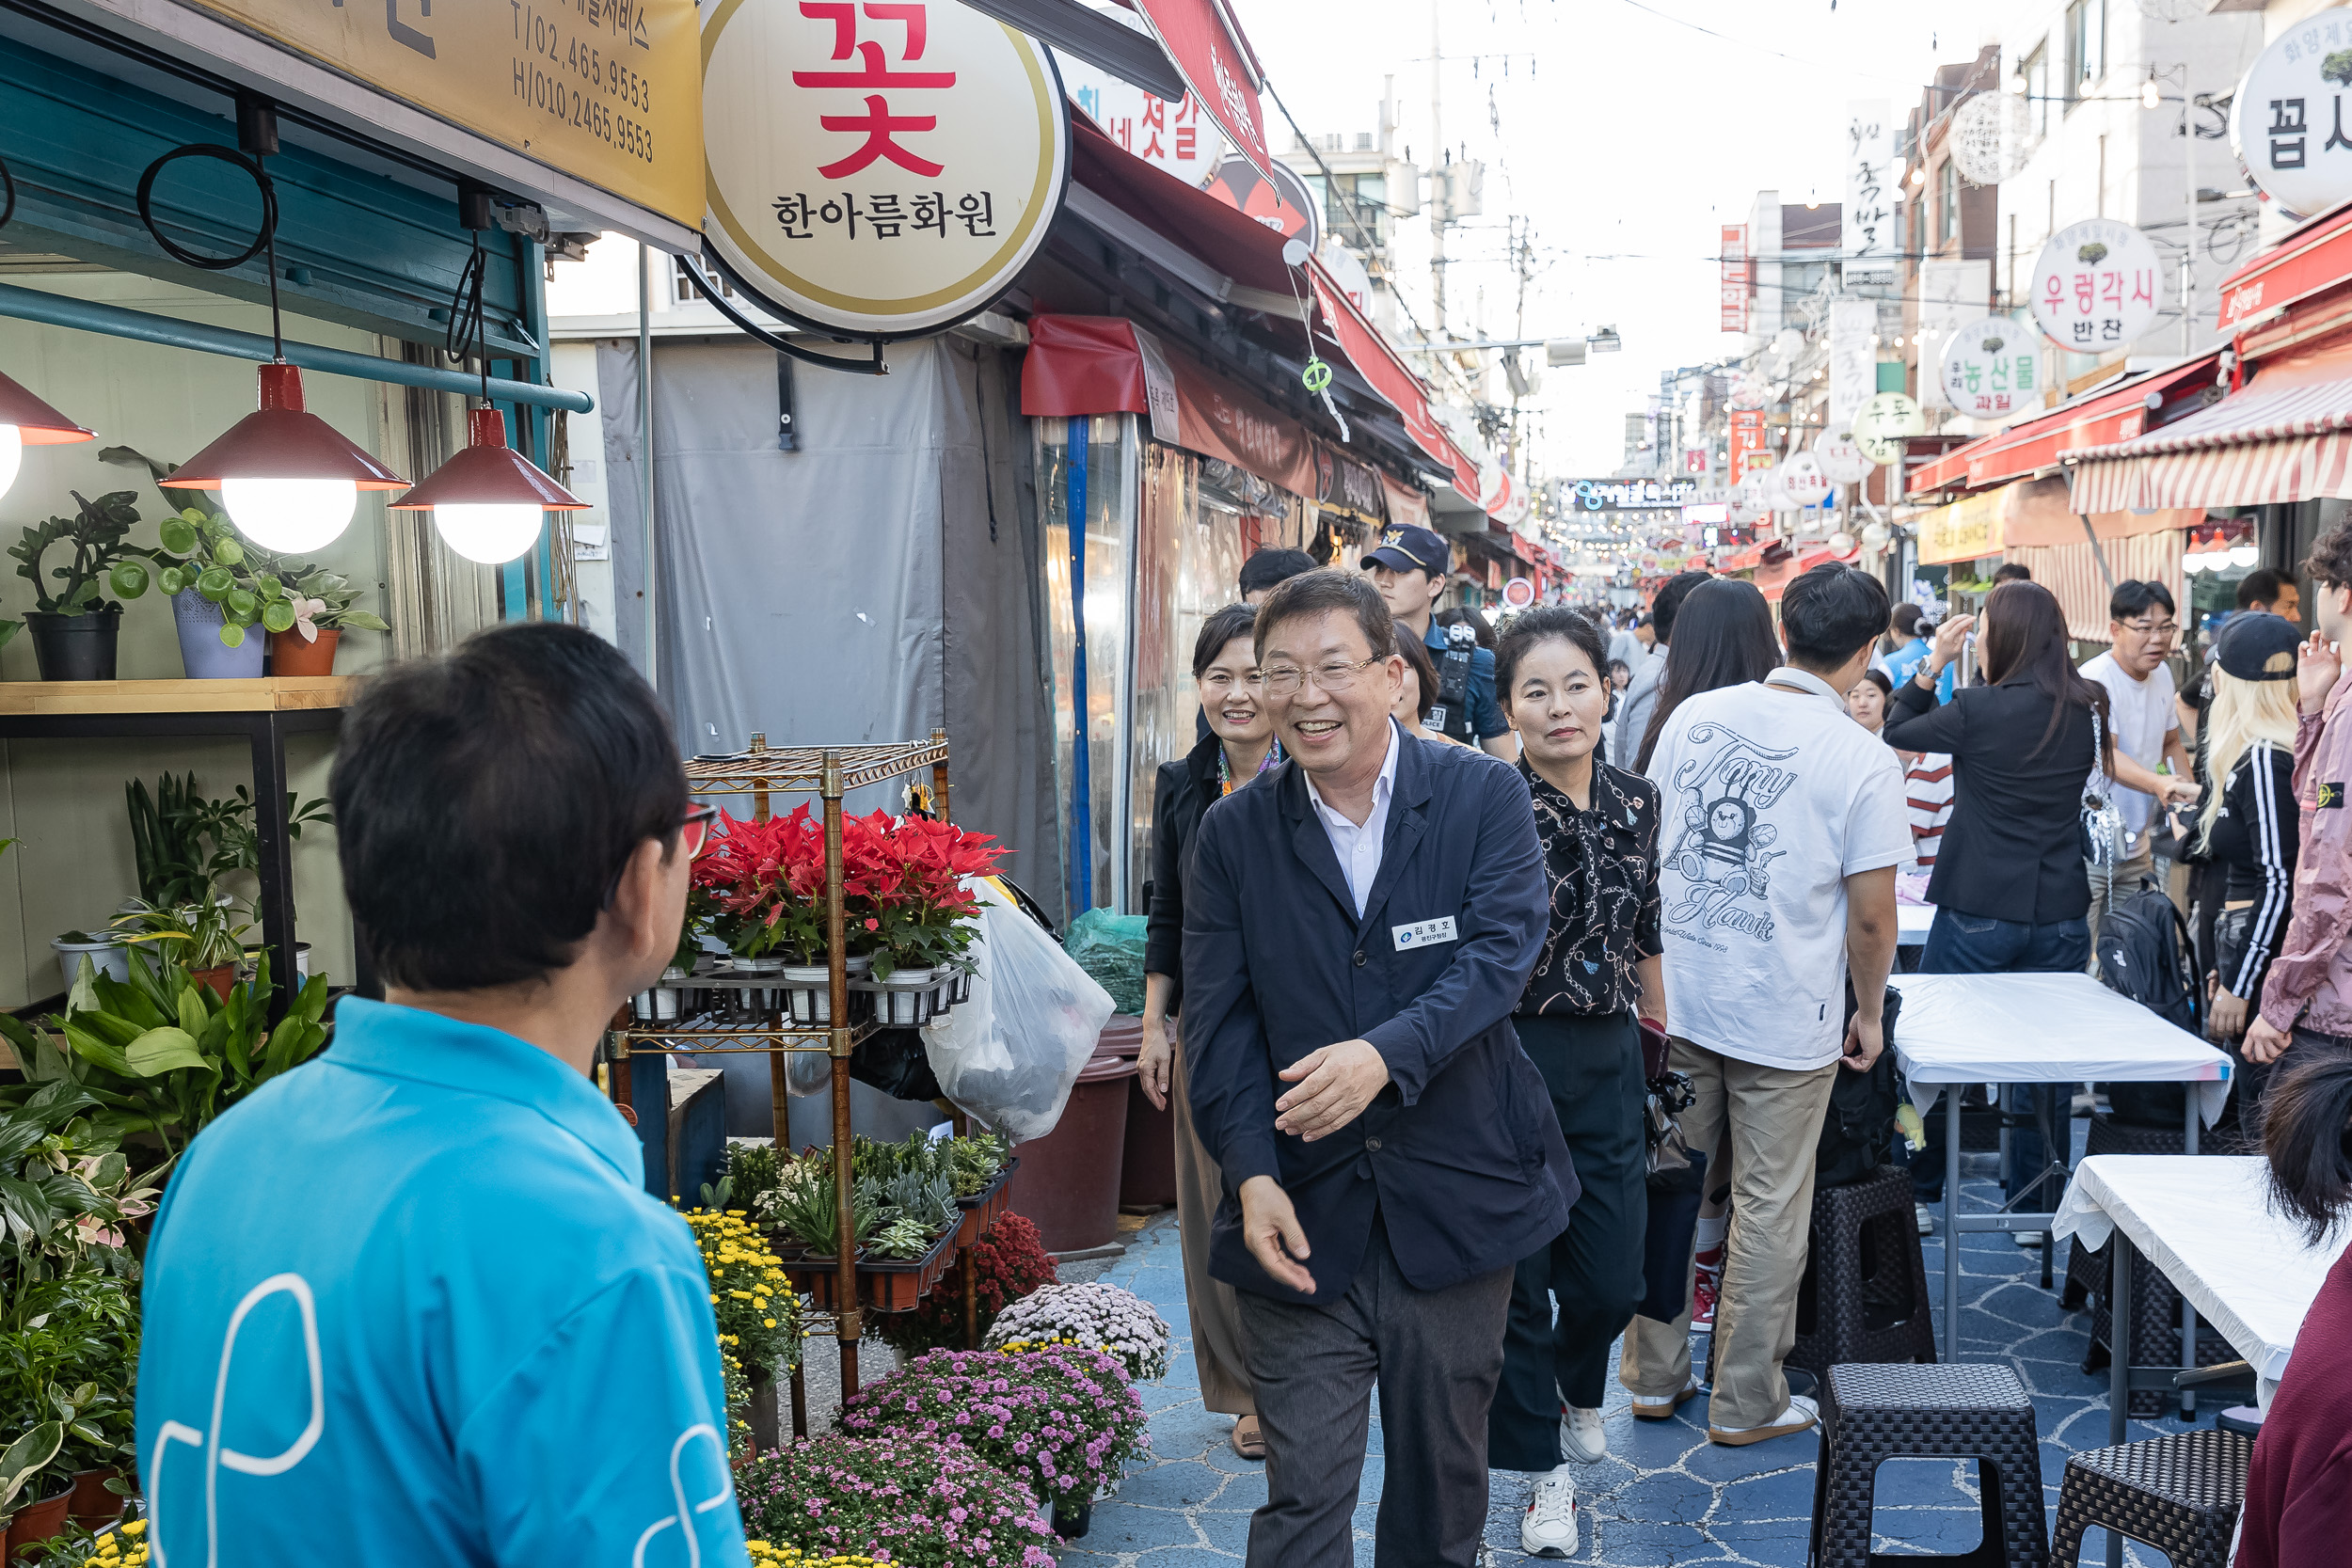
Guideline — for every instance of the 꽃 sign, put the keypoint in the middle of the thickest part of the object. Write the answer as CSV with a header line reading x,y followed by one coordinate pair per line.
x,y
2095,286
885,169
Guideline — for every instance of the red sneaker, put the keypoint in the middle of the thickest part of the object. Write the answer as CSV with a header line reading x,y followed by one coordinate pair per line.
x,y
1706,1283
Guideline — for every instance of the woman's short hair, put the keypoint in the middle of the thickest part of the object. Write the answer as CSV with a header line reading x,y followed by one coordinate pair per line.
x,y
1234,620
1878,679
1425,669
1541,625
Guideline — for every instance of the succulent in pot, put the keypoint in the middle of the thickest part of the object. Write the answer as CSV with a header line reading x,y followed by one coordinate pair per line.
x,y
74,623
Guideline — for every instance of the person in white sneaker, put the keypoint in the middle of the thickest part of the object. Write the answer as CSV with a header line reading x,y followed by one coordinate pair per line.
x,y
1777,881
1577,1021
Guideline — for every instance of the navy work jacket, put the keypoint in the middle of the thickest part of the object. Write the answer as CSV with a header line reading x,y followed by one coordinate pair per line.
x,y
1460,1154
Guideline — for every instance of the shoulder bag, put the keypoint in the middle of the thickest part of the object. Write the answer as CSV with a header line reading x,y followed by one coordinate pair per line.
x,y
2106,842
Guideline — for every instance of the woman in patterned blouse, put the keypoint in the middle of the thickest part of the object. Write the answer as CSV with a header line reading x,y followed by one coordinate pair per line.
x,y
1599,969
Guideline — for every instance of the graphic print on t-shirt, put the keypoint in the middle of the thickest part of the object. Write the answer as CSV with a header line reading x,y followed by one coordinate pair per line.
x,y
1724,851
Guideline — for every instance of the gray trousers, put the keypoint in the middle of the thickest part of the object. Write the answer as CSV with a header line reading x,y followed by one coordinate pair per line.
x,y
1434,1355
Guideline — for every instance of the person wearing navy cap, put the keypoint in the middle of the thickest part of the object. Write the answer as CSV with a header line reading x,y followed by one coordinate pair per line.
x,y
1409,568
414,1291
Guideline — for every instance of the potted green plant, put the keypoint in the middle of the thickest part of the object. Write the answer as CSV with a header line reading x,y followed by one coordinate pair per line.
x,y
205,935
75,625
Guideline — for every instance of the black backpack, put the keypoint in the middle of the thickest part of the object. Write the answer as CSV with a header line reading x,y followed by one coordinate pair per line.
x,y
1451,716
1858,1132
2145,951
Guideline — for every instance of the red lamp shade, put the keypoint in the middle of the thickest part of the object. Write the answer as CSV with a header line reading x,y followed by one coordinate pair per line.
x,y
280,441
488,473
37,424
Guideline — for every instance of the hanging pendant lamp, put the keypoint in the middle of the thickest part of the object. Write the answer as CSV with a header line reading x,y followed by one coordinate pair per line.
x,y
288,478
27,421
487,501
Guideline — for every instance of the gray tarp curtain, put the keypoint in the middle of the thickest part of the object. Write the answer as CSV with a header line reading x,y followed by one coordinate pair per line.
x,y
851,591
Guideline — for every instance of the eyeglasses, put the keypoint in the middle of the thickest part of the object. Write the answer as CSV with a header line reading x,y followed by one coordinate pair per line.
x,y
1334,678
1219,682
2160,628
693,838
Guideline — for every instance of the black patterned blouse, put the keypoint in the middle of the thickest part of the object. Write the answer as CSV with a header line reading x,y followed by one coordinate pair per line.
x,y
1601,866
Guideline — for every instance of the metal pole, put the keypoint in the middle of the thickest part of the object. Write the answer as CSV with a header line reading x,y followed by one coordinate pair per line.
x,y
837,981
644,442
1951,1222
83,315
2120,1359
2188,1308
1081,761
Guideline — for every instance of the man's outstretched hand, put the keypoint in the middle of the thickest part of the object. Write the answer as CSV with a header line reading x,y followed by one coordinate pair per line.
x,y
1334,1084
1269,1226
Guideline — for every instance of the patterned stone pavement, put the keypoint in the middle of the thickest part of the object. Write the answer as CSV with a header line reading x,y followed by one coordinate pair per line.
x,y
1664,1494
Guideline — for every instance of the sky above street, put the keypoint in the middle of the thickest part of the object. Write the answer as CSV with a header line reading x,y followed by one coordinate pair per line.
x,y
1627,132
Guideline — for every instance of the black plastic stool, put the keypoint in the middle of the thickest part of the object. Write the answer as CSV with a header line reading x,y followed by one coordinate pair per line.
x,y
2179,1493
1864,1295
1872,1414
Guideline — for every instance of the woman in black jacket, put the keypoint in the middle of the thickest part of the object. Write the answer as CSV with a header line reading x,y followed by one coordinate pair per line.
x,y
1240,747
2008,887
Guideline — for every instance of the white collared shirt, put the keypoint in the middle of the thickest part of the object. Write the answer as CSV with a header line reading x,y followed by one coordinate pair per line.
x,y
1358,848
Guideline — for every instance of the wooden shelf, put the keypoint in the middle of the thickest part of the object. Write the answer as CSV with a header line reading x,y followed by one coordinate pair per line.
x,y
274,693
787,770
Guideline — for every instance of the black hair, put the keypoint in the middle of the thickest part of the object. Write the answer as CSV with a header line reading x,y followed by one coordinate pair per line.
x,y
2263,587
1667,604
1233,621
2012,571
1828,612
1464,616
1265,568
1617,664
2132,598
1416,654
1879,678
2307,1135
2330,561
2024,635
1543,626
485,801
1906,624
1323,590
1723,637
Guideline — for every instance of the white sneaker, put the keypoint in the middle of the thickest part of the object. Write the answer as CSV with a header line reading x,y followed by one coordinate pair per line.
x,y
2030,1240
1580,1435
1802,1412
1926,1218
1550,1527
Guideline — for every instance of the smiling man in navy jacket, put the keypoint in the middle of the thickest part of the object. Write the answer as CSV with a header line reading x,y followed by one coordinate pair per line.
x,y
1358,926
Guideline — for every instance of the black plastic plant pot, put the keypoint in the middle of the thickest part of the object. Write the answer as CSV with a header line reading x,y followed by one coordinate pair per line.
x,y
1073,1520
75,647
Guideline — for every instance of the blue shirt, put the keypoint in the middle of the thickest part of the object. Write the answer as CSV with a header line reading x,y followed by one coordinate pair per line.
x,y
412,1300
1486,720
1904,662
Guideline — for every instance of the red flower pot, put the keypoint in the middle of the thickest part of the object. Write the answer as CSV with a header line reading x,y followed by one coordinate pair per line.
x,y
38,1521
292,654
90,1502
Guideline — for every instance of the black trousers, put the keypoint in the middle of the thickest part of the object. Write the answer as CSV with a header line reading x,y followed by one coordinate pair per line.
x,y
1433,1356
1593,1067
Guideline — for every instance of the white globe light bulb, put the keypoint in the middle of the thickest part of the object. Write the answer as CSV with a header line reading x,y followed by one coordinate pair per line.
x,y
2244,555
491,532
290,515
1875,536
11,454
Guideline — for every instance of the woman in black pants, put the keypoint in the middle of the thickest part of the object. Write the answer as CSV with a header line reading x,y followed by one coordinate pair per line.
x,y
1599,966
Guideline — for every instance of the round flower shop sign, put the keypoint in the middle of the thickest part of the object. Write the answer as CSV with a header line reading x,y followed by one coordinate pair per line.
x,y
883,170
2095,286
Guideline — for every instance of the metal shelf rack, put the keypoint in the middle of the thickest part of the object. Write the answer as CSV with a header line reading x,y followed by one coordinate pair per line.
x,y
828,773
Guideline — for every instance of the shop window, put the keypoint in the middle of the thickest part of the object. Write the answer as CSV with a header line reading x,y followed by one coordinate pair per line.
x,y
2037,71
1109,525
1947,202
685,291
2086,46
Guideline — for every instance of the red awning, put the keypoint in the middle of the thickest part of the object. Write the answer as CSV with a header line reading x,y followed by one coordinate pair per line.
x,y
1773,581
1206,43
2267,445
2316,256
2117,414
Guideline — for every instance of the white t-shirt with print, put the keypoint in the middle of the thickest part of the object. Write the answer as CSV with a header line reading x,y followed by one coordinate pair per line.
x,y
1772,798
2142,714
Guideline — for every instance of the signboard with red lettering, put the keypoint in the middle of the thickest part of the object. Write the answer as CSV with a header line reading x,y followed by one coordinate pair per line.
x,y
884,167
2095,286
1747,442
1734,264
1201,38
1175,138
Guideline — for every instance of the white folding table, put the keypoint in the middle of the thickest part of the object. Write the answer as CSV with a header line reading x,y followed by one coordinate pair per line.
x,y
1961,1029
1911,922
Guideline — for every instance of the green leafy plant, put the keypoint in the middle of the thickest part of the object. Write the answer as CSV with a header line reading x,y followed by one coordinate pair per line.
x,y
803,1205
103,558
205,934
161,1055
25,1459
67,1194
182,843
68,1352
202,550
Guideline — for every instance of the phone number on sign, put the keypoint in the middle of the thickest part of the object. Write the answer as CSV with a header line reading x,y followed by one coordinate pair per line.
x,y
583,111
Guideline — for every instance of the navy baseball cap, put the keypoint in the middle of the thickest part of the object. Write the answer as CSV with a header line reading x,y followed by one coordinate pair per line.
x,y
1407,549
2258,646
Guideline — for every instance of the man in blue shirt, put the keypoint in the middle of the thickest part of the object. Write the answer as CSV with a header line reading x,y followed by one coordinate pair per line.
x,y
1409,569
414,1294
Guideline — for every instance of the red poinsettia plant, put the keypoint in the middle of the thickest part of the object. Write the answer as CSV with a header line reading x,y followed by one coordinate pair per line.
x,y
902,893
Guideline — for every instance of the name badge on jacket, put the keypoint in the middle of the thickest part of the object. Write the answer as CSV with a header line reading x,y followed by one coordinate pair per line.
x,y
1423,933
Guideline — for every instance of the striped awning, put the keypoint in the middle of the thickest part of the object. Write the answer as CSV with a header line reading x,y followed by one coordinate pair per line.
x,y
2071,572
2256,448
